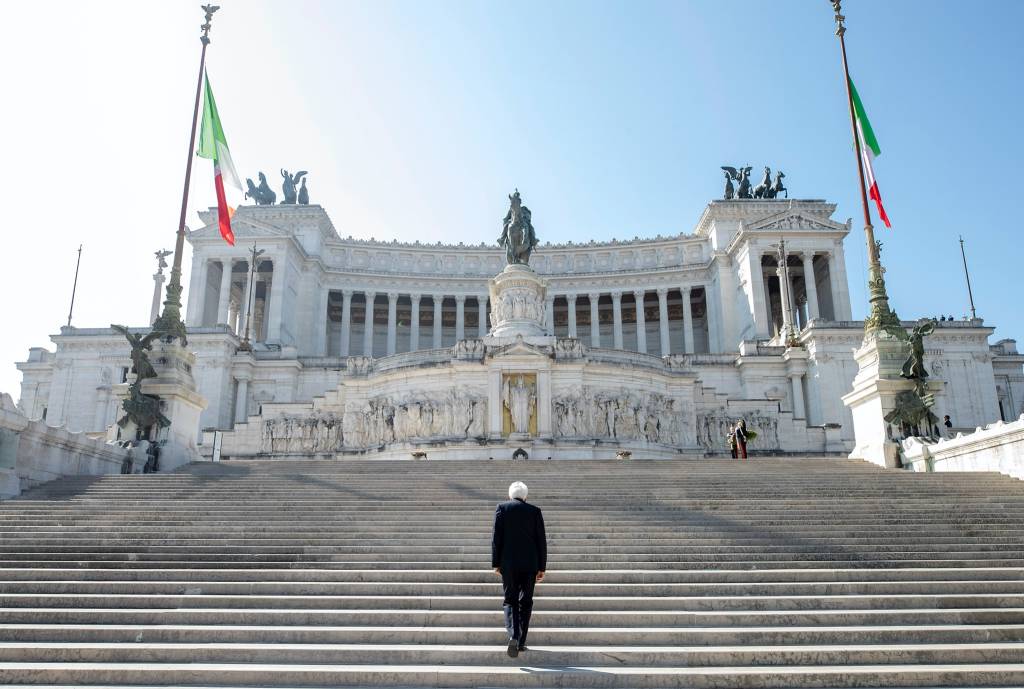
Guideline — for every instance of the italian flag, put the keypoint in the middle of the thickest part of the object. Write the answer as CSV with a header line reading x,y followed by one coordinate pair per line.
x,y
214,145
868,151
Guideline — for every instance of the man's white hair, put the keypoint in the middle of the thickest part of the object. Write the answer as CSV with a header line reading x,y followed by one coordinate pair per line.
x,y
518,490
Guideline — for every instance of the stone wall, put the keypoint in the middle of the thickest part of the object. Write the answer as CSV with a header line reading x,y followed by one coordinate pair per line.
x,y
32,452
996,447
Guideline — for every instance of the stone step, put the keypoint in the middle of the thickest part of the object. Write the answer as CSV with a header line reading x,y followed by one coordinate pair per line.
x,y
509,675
547,602
638,575
493,618
493,590
543,655
896,634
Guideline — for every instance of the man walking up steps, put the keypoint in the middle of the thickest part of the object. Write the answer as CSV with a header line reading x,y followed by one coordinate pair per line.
x,y
519,553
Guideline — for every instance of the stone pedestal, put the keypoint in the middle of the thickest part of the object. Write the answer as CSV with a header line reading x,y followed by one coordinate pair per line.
x,y
873,396
179,402
517,304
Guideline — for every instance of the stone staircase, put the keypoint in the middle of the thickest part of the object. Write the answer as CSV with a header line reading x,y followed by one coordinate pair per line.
x,y
711,573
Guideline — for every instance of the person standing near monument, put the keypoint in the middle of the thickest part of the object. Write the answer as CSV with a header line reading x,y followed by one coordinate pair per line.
x,y
741,438
519,554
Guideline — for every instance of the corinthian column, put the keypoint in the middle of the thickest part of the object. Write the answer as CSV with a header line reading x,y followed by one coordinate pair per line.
x,y
392,322
617,319
641,321
414,323
687,321
595,320
368,324
663,320
460,317
810,286
438,305
225,292
346,321
482,321
571,301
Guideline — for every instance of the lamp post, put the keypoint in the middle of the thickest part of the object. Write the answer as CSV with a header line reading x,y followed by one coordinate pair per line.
x,y
881,318
170,323
246,346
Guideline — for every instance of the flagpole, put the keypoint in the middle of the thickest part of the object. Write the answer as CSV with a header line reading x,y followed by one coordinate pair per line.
x,y
970,294
881,318
170,322
74,286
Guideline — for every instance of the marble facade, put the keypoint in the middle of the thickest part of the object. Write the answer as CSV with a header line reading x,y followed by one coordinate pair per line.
x,y
370,347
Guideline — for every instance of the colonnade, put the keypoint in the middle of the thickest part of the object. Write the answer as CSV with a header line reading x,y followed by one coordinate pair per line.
x,y
227,301
817,288
356,323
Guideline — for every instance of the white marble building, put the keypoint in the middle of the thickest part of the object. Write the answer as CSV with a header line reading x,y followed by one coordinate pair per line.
x,y
357,342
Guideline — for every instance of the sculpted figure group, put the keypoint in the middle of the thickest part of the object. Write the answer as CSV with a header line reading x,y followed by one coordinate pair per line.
x,y
765,190
263,195
713,429
382,421
618,415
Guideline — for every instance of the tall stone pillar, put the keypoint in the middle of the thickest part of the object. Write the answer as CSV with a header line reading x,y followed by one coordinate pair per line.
x,y
799,408
481,329
663,320
687,320
641,321
840,285
782,271
320,321
617,319
460,317
346,321
242,398
158,293
223,297
570,300
595,319
196,292
549,314
438,333
414,323
759,301
810,287
392,322
713,308
368,324
276,309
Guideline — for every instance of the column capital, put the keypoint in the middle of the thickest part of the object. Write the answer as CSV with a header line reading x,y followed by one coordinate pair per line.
x,y
415,298
571,298
806,255
460,298
594,296
686,290
662,292
369,294
346,293
639,294
393,296
616,296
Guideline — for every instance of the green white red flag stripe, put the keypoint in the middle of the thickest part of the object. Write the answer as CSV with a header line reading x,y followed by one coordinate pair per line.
x,y
214,145
869,150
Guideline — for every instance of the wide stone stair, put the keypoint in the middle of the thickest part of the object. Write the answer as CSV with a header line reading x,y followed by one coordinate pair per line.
x,y
714,573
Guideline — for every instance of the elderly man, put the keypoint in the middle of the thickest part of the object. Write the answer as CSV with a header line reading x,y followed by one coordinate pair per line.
x,y
519,553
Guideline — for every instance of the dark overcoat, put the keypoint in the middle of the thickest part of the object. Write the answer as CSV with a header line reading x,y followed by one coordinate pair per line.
x,y
519,543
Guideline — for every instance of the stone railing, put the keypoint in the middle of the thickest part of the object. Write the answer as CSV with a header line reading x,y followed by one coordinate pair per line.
x,y
421,357
996,447
32,453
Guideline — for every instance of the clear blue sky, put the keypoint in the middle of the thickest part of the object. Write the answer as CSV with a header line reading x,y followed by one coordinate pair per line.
x,y
415,119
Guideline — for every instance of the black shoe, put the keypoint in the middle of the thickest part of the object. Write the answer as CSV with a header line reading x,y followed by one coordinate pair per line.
x,y
513,648
522,647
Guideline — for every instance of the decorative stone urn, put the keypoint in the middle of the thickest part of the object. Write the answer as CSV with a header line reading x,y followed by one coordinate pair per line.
x,y
517,302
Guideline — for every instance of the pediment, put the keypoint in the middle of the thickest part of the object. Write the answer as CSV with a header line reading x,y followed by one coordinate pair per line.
x,y
242,226
795,221
518,348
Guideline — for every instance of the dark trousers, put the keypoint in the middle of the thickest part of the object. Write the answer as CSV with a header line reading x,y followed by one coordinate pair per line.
x,y
518,603
741,445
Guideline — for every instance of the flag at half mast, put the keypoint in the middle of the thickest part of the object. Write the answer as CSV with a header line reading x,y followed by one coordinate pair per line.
x,y
214,145
869,150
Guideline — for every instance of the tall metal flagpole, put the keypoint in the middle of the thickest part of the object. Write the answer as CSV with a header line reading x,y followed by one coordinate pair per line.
x,y
881,317
970,294
170,323
74,287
